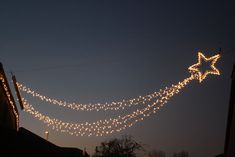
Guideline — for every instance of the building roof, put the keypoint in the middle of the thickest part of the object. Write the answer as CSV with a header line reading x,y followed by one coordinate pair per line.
x,y
25,143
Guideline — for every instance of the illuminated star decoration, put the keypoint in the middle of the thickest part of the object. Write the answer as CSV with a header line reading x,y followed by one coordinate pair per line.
x,y
195,68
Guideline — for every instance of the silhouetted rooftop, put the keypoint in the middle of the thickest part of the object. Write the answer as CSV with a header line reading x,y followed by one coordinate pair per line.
x,y
25,143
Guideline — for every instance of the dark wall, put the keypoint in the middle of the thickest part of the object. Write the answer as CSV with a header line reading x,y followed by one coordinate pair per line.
x,y
230,133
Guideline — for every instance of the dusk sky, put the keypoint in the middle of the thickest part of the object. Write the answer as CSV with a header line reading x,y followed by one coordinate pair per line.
x,y
104,51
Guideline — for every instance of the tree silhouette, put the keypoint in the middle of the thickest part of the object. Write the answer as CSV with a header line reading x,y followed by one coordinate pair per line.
x,y
125,147
181,154
155,153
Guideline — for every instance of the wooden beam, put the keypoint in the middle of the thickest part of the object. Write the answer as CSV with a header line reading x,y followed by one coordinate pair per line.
x,y
17,92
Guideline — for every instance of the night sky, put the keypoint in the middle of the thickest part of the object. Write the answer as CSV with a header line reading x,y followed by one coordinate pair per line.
x,y
98,51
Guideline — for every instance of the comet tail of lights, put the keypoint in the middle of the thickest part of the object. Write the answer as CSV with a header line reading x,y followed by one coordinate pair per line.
x,y
10,100
108,126
151,104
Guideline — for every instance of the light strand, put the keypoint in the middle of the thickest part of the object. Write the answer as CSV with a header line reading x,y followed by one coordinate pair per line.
x,y
90,107
111,125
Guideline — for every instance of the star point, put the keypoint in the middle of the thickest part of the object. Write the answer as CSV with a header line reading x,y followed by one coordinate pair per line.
x,y
195,68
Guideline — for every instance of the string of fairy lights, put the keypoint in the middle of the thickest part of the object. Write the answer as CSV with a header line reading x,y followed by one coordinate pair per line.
x,y
10,100
149,104
90,107
108,126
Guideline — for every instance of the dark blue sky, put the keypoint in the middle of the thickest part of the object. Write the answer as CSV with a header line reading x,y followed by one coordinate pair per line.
x,y
98,51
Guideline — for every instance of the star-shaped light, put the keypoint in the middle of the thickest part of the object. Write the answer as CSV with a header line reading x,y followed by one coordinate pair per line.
x,y
195,68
